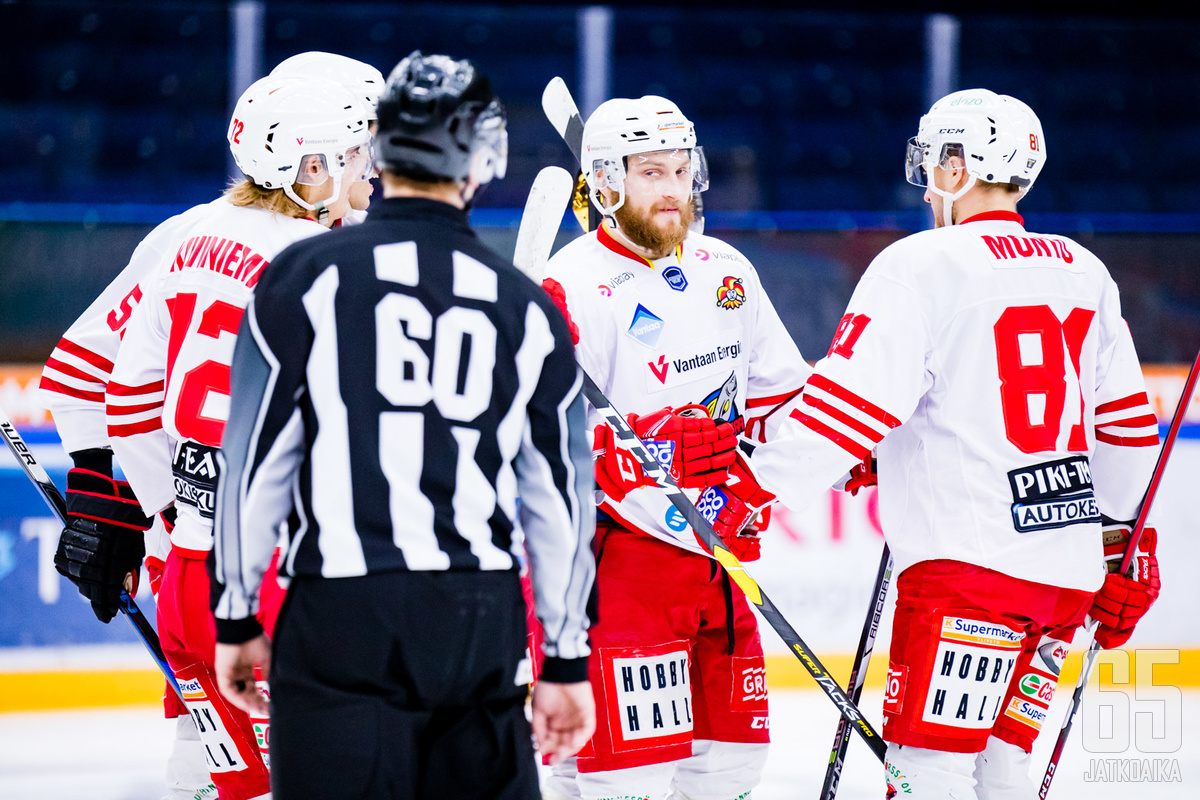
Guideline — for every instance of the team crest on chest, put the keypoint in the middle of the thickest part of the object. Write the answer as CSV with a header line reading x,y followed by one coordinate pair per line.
x,y
675,278
731,294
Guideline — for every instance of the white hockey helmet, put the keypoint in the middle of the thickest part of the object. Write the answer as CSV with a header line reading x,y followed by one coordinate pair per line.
x,y
282,123
998,137
362,79
622,127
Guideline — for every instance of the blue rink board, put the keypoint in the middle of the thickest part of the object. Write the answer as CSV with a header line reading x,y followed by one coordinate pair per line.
x,y
26,618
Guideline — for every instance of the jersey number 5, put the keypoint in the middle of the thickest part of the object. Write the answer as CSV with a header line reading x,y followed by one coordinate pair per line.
x,y
1032,346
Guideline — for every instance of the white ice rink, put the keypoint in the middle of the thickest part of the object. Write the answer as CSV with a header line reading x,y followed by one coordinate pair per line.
x,y
119,754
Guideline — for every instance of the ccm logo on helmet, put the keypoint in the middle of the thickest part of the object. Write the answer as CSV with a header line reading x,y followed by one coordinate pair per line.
x,y
953,130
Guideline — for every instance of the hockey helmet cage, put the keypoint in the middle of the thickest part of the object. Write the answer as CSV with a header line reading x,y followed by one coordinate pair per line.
x,y
439,121
622,127
362,79
281,120
998,137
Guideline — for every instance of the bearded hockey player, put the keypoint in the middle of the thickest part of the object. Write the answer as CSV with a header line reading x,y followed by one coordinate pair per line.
x,y
188,282
677,331
991,369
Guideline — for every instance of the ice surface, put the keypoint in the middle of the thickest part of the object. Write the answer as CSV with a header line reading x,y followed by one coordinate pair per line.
x,y
120,754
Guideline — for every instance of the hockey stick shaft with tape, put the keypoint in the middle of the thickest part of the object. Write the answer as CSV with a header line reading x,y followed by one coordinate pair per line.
x,y
858,675
54,499
1089,658
531,264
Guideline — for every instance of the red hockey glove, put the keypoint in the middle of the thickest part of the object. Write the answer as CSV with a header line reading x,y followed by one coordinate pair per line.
x,y
733,507
559,295
1124,599
862,475
617,471
695,449
102,543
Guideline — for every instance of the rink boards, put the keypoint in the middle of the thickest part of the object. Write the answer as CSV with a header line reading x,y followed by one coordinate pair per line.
x,y
818,568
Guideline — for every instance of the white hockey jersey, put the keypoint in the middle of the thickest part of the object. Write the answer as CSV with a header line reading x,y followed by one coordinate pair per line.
x,y
996,364
694,327
77,372
168,396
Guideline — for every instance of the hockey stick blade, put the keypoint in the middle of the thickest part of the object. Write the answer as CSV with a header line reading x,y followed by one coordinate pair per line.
x,y
858,675
559,107
1089,658
54,499
541,219
733,567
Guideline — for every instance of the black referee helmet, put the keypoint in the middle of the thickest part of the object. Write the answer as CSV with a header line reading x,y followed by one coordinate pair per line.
x,y
440,121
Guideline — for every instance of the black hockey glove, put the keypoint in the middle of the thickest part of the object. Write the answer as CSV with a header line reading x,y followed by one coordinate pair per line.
x,y
102,542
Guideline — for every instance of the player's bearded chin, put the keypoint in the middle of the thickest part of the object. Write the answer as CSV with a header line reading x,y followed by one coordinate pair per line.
x,y
642,231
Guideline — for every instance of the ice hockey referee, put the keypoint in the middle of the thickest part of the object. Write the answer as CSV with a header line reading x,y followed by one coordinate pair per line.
x,y
395,388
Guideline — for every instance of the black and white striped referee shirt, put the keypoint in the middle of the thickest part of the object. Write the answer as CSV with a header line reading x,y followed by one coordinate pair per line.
x,y
396,387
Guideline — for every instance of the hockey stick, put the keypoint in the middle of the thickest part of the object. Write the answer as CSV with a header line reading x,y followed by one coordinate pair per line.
x,y
1089,658
858,675
54,499
559,107
542,218
701,525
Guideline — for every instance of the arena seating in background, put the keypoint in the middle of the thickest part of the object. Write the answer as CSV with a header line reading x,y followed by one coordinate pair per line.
x,y
128,102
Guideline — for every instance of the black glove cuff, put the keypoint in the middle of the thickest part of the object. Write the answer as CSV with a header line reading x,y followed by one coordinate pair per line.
x,y
236,631
564,670
97,459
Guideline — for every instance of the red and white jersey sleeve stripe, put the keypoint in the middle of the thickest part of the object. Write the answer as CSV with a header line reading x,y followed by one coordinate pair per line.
x,y
1128,422
134,409
852,423
75,371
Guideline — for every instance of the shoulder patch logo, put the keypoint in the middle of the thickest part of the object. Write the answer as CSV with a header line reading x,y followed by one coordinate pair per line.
x,y
675,278
646,327
730,294
701,254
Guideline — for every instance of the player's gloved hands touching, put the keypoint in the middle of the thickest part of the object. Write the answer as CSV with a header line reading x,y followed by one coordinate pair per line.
x,y
733,508
1125,598
696,450
102,543
559,295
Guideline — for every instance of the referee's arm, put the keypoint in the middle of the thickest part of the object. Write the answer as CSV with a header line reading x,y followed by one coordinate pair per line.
x,y
554,480
261,452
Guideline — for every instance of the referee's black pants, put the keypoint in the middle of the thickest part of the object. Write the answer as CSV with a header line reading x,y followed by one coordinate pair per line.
x,y
401,685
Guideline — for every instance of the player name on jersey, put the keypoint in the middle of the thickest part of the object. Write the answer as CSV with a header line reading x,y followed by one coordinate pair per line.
x,y
224,256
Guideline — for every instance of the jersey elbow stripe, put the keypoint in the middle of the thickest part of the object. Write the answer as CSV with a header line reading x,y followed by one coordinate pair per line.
x,y
91,357
1127,402
120,410
70,391
122,390
1127,441
822,408
843,441
64,369
134,428
850,398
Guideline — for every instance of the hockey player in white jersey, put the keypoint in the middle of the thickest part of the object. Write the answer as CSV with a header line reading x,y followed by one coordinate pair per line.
x,y
990,368
229,240
677,331
360,78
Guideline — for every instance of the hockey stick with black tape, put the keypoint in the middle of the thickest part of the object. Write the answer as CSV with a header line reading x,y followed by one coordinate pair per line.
x,y
54,499
559,107
1089,658
858,675
530,263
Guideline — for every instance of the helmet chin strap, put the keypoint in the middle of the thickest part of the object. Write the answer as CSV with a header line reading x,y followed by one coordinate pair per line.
x,y
321,207
948,198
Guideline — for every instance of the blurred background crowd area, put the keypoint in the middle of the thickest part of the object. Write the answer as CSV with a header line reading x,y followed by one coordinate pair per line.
x,y
113,117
